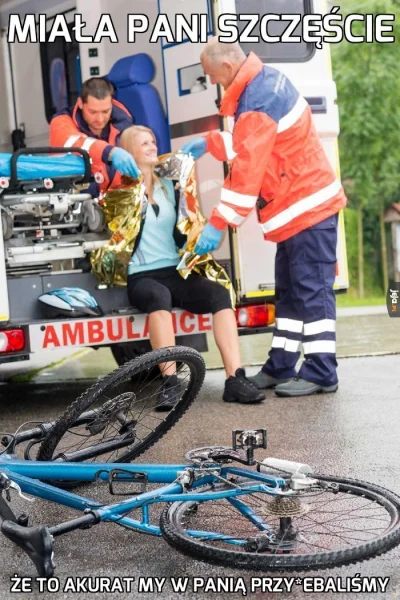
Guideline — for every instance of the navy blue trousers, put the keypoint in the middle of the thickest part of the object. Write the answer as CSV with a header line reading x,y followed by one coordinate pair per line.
x,y
305,269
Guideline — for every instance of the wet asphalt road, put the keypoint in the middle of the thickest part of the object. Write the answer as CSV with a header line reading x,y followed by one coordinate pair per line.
x,y
360,331
353,433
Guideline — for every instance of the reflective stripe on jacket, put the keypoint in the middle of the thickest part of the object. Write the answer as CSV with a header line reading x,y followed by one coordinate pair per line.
x,y
69,128
278,162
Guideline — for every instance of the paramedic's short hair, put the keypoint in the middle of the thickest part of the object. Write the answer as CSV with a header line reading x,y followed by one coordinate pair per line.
x,y
98,87
217,51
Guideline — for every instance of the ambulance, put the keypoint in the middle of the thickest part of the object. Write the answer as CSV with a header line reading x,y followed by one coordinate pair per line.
x,y
40,76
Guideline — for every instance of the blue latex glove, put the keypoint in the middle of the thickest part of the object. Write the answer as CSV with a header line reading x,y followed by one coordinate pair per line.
x,y
124,162
209,240
196,147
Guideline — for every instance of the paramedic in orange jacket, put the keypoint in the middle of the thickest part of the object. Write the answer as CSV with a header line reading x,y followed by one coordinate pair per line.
x,y
95,124
279,167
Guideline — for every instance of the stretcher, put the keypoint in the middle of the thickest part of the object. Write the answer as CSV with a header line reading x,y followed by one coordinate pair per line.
x,y
34,166
44,192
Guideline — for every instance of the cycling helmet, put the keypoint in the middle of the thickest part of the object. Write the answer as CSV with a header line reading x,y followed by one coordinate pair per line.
x,y
69,302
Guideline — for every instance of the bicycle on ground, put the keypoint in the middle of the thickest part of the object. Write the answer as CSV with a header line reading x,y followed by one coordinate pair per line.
x,y
222,505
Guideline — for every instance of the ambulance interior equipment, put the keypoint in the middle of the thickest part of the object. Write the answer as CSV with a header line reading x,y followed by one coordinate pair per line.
x,y
44,202
49,220
42,193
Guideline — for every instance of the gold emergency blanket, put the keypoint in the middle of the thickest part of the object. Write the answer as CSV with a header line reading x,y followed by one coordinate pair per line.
x,y
122,208
123,211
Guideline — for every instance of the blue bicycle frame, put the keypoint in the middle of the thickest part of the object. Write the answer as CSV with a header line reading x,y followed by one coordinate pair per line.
x,y
272,542
27,474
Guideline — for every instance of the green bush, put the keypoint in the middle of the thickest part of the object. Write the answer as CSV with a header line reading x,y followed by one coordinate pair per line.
x,y
372,257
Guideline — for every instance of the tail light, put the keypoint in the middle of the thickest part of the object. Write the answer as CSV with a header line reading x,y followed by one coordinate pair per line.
x,y
258,315
12,340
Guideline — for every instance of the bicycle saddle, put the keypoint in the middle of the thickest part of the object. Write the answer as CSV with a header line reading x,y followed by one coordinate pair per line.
x,y
37,543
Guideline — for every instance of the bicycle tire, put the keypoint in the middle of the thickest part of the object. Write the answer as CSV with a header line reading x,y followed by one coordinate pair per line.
x,y
124,374
172,517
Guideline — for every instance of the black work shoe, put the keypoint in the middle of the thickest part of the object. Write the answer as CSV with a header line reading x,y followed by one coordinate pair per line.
x,y
169,394
301,387
262,380
240,389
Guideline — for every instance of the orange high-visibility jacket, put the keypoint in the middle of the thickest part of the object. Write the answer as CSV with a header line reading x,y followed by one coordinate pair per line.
x,y
69,128
278,162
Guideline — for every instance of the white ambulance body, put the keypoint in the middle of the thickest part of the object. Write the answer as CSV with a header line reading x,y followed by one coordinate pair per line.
x,y
191,110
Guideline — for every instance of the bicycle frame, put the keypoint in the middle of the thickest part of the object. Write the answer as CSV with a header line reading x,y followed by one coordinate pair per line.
x,y
28,473
270,544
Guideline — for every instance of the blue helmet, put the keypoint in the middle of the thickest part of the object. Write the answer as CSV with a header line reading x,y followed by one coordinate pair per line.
x,y
70,302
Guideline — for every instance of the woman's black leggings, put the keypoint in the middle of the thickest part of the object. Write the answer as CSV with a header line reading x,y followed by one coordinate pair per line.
x,y
163,289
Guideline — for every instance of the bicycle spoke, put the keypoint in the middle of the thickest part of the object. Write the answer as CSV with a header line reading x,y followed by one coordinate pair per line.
x,y
339,521
125,412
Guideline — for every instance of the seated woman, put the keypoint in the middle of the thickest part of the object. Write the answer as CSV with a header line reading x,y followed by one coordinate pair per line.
x,y
155,286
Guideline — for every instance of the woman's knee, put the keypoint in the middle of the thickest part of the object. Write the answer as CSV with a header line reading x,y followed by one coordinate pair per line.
x,y
150,297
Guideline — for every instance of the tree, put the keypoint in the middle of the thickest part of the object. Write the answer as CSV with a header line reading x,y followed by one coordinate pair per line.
x,y
368,81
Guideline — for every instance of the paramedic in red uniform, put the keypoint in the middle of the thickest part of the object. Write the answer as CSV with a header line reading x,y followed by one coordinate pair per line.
x,y
95,124
279,167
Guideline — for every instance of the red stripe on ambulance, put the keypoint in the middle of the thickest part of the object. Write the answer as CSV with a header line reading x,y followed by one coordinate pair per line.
x,y
96,332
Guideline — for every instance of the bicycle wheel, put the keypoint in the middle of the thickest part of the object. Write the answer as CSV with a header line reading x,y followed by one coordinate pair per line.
x,y
315,529
122,421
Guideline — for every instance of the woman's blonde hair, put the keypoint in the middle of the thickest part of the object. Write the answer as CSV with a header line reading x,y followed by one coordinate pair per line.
x,y
127,138
129,134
